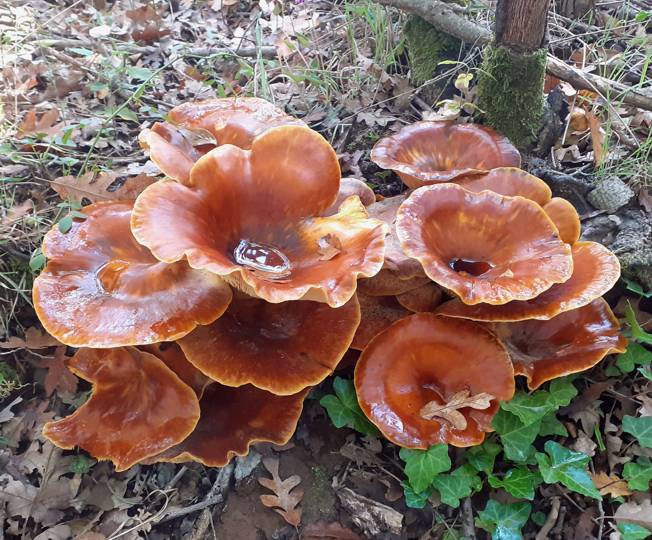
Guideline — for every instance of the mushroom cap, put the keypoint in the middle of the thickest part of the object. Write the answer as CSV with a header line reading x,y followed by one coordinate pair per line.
x,y
249,216
100,288
171,151
509,181
429,152
595,271
565,217
425,358
348,187
235,121
172,356
570,342
396,262
137,409
483,246
232,419
424,298
282,348
377,313
388,283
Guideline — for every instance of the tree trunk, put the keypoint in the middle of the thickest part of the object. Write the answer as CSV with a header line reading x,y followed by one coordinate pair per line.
x,y
510,84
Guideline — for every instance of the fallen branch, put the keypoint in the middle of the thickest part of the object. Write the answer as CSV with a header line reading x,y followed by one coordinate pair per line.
x,y
447,20
550,520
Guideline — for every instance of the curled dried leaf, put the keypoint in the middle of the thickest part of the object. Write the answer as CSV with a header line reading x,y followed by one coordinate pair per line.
x,y
285,499
450,411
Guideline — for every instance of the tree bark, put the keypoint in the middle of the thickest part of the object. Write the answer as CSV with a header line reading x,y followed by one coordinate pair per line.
x,y
510,84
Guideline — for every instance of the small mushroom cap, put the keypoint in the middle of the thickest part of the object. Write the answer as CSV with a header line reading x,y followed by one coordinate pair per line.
x,y
282,348
569,343
171,151
429,152
137,409
378,312
485,247
266,200
509,181
235,121
100,288
348,187
565,217
425,358
398,263
232,419
595,271
424,298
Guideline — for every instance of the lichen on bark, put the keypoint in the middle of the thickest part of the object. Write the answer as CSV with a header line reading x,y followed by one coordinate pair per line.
x,y
510,92
427,47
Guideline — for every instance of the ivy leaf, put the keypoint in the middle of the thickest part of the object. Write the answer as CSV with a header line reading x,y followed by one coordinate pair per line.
x,y
529,407
632,285
635,355
559,464
637,331
343,408
551,425
482,457
640,429
562,391
457,485
517,437
504,521
639,474
81,464
414,499
519,482
422,466
632,531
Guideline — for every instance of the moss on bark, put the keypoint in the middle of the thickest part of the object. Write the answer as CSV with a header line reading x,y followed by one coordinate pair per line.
x,y
510,92
426,47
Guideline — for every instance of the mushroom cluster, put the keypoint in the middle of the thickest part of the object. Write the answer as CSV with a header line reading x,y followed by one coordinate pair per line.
x,y
522,295
205,311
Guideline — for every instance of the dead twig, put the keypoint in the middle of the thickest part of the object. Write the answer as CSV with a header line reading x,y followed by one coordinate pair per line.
x,y
467,519
555,504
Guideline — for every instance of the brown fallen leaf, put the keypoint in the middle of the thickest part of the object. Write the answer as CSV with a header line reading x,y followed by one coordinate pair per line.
x,y
285,500
610,484
95,188
597,138
34,339
449,411
637,513
44,124
58,378
17,211
327,531
328,247
132,187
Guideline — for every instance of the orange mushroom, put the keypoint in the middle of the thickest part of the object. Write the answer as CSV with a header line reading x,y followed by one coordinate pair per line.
x,y
428,380
571,342
236,121
137,409
250,217
508,181
213,122
378,312
282,348
428,152
424,298
348,187
172,356
232,419
171,151
595,271
564,216
388,283
397,264
100,288
485,247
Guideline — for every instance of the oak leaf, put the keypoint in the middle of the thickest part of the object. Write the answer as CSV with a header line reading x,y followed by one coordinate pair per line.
x,y
34,339
449,411
45,124
96,188
58,377
610,484
286,497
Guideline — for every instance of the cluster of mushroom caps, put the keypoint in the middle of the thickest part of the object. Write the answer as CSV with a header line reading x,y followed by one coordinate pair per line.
x,y
206,310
